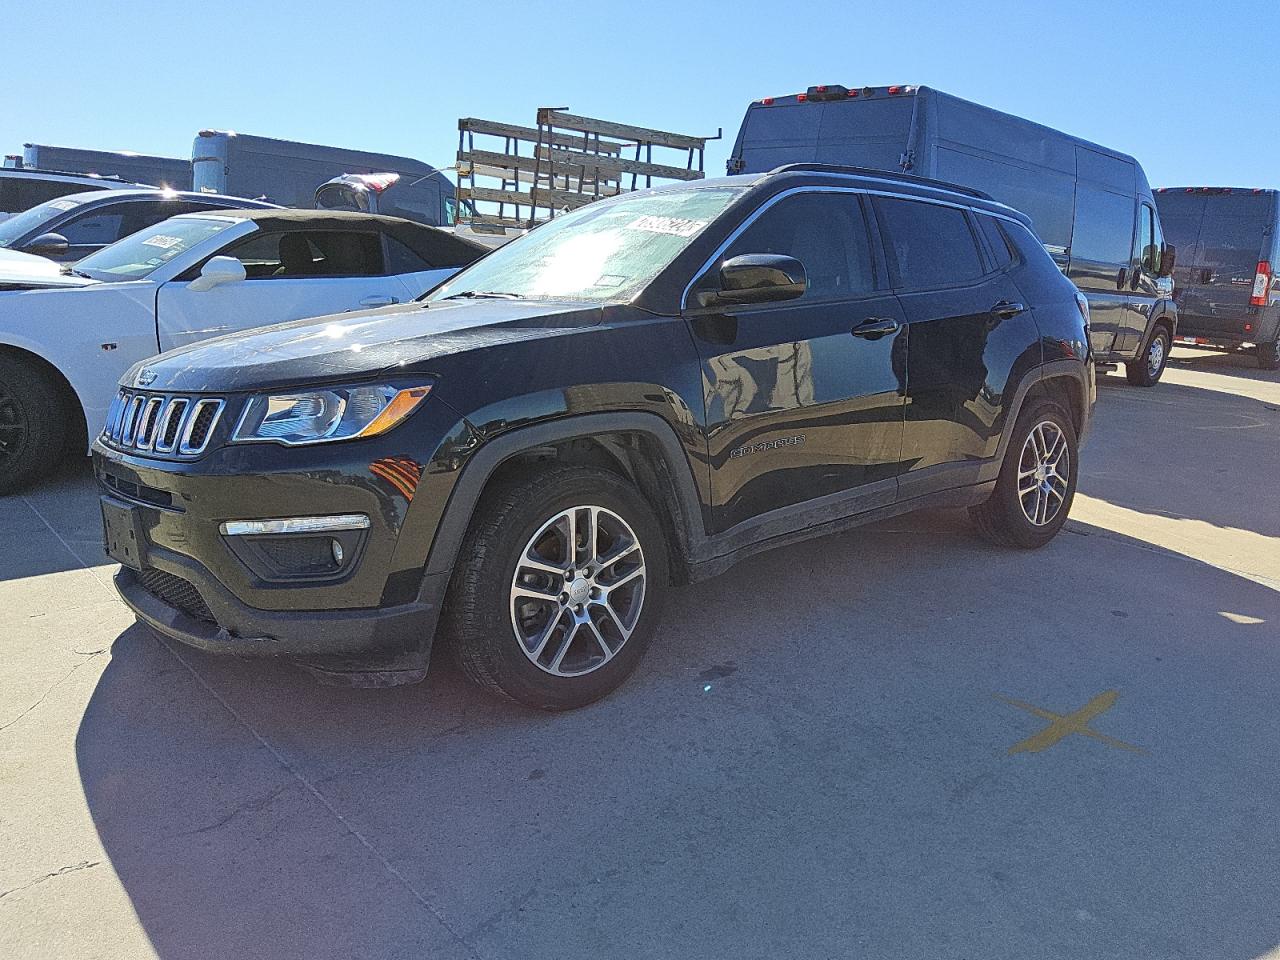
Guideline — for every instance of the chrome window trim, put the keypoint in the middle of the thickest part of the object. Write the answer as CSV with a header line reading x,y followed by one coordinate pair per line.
x,y
828,188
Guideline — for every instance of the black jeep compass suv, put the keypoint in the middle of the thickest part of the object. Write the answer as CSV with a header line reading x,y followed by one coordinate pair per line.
x,y
638,393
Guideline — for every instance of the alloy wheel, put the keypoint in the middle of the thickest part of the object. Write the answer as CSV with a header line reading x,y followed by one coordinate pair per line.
x,y
578,590
1155,356
1044,472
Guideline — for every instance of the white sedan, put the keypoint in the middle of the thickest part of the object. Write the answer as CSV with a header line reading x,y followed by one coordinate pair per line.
x,y
63,349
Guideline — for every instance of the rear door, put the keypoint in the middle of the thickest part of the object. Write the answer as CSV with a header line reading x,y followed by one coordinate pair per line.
x,y
967,324
803,400
291,274
1236,234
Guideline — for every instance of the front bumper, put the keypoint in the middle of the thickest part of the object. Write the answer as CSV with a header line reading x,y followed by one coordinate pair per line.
x,y
375,614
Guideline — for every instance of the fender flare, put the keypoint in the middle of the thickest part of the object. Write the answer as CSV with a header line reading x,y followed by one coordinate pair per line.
x,y
1072,370
476,473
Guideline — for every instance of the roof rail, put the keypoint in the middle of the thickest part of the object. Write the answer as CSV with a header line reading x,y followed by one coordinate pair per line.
x,y
882,175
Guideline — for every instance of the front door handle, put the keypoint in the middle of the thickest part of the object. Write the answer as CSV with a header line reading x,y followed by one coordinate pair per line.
x,y
378,301
875,328
1008,308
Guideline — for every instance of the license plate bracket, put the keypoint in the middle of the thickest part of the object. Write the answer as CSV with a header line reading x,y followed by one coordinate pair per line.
x,y
122,534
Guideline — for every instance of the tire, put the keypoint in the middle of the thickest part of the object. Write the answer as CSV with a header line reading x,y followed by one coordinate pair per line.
x,y
34,415
1148,367
1006,518
521,647
1269,354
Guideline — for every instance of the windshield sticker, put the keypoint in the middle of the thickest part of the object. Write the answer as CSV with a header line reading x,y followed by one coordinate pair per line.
x,y
161,241
609,280
673,226
63,204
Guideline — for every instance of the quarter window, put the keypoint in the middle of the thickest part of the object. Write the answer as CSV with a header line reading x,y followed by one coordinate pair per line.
x,y
996,240
826,232
929,245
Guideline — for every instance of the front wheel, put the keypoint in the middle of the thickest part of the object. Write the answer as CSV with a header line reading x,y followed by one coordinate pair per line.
x,y
556,596
33,424
1037,481
1147,368
1269,354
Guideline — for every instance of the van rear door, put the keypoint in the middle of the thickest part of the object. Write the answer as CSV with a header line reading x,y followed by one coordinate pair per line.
x,y
1236,234
856,132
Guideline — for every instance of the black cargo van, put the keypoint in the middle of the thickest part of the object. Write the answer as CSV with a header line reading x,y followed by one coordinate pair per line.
x,y
1225,281
1091,206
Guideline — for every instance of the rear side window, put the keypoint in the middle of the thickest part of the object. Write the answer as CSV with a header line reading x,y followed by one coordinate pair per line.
x,y
311,253
400,259
826,232
1104,227
929,245
996,241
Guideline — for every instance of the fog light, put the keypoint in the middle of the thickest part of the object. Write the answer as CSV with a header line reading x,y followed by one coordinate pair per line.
x,y
337,553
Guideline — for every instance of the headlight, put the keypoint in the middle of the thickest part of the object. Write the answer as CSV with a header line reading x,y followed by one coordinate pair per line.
x,y
323,416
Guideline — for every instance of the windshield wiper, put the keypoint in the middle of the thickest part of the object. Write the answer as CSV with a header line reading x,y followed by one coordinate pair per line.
x,y
72,271
484,295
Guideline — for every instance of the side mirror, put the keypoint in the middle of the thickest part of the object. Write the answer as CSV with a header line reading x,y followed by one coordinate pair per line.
x,y
48,245
757,278
217,271
1166,260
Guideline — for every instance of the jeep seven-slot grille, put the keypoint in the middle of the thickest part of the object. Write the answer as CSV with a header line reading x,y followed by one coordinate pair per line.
x,y
162,424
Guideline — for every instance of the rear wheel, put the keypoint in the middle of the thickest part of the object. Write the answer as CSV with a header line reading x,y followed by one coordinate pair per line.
x,y
1146,369
1269,354
556,596
1037,481
33,423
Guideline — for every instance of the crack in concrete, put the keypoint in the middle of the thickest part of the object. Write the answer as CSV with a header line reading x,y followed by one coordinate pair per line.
x,y
61,872
252,805
54,686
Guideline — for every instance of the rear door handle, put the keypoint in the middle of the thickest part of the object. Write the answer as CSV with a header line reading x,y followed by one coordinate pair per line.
x,y
875,328
1008,308
378,301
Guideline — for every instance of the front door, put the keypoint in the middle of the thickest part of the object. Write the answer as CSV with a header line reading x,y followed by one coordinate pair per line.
x,y
800,402
1144,280
290,275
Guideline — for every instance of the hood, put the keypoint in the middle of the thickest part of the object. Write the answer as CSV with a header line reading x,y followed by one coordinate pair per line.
x,y
355,345
25,271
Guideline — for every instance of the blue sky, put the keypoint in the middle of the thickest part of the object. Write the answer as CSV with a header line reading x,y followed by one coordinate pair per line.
x,y
1186,87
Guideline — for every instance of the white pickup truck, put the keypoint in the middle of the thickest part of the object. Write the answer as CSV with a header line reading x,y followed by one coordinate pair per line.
x,y
67,337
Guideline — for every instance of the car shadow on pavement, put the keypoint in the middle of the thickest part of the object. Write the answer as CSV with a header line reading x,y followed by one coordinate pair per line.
x,y
54,525
811,761
1232,364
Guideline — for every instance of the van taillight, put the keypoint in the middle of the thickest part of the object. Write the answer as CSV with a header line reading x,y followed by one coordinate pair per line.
x,y
1261,284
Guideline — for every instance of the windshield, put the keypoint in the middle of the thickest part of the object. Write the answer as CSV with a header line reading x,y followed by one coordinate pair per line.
x,y
136,256
603,251
18,226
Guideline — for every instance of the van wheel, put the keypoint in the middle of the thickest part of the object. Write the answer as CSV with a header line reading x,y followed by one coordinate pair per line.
x,y
33,424
1269,354
557,593
1147,368
1037,481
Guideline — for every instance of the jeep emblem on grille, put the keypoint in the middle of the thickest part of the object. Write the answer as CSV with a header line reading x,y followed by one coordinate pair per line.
x,y
146,376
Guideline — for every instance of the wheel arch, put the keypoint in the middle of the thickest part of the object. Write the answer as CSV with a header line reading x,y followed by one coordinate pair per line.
x,y
641,447
79,432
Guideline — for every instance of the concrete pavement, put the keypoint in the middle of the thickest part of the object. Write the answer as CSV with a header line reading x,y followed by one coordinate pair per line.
x,y
813,761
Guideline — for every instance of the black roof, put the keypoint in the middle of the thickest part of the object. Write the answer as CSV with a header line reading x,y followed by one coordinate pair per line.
x,y
433,244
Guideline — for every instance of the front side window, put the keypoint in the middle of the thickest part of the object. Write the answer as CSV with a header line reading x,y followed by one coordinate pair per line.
x,y
94,228
137,256
826,232
929,245
605,251
299,254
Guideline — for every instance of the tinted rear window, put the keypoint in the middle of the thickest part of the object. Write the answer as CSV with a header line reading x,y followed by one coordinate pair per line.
x,y
929,245
1233,245
864,133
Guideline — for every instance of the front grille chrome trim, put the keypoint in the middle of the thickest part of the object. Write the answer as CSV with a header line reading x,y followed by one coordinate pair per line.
x,y
162,424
